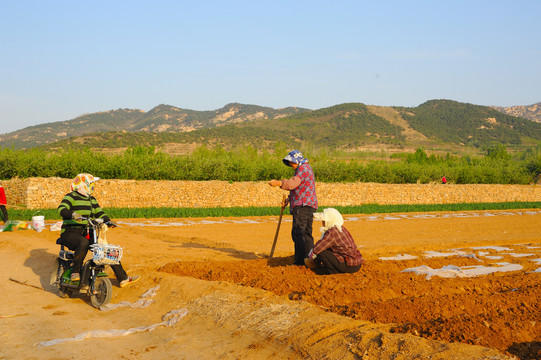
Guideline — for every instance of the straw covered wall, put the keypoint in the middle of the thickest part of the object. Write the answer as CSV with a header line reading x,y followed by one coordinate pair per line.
x,y
44,193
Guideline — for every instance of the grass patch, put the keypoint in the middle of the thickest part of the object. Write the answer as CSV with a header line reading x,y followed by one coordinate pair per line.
x,y
381,209
149,213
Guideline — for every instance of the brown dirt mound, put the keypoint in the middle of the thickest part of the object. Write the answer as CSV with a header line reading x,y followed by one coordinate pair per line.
x,y
499,311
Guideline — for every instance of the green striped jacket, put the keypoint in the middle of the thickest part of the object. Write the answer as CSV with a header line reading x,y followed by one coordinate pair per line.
x,y
82,205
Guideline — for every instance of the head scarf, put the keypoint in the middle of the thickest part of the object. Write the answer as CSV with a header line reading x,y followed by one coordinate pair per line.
x,y
331,217
84,184
295,156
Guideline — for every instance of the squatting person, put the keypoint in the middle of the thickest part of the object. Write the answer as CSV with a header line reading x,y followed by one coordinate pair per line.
x,y
336,251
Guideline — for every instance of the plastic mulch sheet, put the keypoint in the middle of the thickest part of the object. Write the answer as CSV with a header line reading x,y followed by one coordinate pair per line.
x,y
169,319
139,304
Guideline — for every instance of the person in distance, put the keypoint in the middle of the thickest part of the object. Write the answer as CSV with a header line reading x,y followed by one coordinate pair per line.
x,y
3,203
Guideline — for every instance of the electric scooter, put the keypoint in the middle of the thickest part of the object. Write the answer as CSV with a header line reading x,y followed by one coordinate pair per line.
x,y
94,280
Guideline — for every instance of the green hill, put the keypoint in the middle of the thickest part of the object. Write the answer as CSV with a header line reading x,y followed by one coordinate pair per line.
x,y
342,126
162,118
345,126
443,125
471,125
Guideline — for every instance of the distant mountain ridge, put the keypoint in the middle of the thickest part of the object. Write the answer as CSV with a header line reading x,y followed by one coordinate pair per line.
x,y
437,124
532,112
162,118
468,124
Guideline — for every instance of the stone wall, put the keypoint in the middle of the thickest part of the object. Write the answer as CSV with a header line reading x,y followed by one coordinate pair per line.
x,y
44,193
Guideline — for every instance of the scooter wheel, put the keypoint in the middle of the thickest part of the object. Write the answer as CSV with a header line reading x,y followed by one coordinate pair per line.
x,y
103,292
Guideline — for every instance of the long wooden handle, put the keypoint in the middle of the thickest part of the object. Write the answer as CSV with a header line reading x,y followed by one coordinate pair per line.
x,y
277,228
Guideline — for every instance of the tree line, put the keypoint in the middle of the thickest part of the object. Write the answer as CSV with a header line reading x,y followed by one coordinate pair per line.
x,y
246,163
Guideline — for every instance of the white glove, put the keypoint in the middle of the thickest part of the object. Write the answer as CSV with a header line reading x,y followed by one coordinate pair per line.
x,y
77,217
311,255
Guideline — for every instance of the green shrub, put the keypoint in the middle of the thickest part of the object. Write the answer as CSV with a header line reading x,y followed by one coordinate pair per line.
x,y
248,164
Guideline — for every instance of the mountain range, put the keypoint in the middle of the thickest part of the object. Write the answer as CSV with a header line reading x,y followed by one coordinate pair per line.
x,y
162,118
435,124
532,112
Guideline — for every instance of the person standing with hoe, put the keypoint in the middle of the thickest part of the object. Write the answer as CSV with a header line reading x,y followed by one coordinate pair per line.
x,y
302,202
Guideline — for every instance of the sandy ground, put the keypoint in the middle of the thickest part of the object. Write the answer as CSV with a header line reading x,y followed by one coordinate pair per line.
x,y
238,304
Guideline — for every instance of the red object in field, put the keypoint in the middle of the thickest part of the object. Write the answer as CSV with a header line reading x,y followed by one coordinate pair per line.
x,y
444,180
2,196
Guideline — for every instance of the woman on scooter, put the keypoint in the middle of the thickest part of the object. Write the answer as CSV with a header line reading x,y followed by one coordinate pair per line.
x,y
74,208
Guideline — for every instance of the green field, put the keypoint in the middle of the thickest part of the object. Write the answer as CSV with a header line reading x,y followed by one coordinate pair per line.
x,y
148,213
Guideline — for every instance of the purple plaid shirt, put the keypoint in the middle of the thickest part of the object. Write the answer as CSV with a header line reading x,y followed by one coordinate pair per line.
x,y
342,246
305,193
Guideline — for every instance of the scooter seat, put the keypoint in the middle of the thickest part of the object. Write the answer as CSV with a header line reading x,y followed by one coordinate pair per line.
x,y
66,254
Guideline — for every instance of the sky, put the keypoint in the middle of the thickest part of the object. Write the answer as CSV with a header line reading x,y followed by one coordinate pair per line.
x,y
62,59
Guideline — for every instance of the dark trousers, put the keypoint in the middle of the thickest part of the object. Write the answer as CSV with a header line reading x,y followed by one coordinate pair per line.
x,y
4,213
331,265
119,271
79,244
301,232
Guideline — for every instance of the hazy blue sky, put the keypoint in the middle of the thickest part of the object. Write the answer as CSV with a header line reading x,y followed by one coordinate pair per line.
x,y
61,59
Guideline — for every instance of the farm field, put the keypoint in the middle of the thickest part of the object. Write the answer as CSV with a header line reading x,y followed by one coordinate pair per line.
x,y
442,285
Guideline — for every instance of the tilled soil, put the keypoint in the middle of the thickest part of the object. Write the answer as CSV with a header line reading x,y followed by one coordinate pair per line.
x,y
499,311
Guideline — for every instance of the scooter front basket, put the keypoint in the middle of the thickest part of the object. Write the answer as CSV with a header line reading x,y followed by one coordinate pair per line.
x,y
106,254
